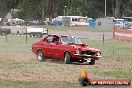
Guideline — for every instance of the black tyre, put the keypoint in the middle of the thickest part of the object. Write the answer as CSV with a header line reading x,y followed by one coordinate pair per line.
x,y
84,81
92,62
67,58
40,56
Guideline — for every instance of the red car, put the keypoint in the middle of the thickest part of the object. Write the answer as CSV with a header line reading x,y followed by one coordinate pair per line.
x,y
65,47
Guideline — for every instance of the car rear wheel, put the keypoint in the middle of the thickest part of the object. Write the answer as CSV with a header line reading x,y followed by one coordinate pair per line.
x,y
40,56
92,62
67,58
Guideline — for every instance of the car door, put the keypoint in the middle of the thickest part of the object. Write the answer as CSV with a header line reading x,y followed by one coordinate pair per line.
x,y
47,46
55,47
59,48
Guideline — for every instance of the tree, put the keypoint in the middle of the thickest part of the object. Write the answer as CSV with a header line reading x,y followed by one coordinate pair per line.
x,y
41,9
93,8
7,5
118,7
74,7
53,6
128,9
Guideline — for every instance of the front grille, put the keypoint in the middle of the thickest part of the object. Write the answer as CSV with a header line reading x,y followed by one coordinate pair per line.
x,y
88,53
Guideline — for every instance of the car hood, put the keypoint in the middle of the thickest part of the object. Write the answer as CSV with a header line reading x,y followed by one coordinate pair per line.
x,y
84,47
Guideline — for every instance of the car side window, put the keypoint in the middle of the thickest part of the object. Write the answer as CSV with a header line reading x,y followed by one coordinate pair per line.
x,y
64,39
56,39
49,39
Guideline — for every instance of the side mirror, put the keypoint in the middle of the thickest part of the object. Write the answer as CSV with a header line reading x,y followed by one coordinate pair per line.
x,y
84,44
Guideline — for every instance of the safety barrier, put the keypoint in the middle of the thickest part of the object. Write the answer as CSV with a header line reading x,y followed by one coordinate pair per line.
x,y
122,34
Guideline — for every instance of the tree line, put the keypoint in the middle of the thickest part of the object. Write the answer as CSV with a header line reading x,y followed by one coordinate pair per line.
x,y
41,9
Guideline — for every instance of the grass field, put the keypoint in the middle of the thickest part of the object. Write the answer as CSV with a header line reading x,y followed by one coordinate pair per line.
x,y
99,29
20,69
43,84
112,49
60,28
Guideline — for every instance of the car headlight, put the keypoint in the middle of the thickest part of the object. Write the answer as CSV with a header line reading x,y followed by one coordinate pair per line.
x,y
98,54
78,51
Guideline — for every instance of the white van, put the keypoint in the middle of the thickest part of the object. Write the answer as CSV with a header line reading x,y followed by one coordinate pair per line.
x,y
39,32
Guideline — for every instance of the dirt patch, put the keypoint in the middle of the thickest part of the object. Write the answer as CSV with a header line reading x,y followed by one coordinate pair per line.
x,y
114,64
18,58
53,70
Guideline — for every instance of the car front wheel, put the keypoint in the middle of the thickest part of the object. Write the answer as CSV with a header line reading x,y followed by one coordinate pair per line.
x,y
40,56
67,58
92,62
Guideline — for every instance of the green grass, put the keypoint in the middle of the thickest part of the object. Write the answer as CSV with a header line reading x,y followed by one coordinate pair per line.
x,y
35,84
47,84
115,73
111,49
100,29
85,28
59,28
16,44
119,74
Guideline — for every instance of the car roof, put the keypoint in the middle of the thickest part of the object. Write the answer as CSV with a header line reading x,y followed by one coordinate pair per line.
x,y
59,35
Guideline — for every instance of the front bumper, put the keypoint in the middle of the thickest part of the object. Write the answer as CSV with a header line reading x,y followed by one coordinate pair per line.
x,y
88,56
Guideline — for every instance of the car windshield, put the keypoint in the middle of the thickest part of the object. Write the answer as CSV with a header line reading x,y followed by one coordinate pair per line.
x,y
70,40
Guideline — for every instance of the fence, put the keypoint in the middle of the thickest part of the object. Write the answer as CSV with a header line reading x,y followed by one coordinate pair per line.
x,y
122,34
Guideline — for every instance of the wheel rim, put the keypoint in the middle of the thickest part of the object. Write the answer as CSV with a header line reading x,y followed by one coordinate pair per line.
x,y
65,58
39,56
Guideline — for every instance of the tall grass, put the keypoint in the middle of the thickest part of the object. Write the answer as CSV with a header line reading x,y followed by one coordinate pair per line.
x,y
16,44
112,49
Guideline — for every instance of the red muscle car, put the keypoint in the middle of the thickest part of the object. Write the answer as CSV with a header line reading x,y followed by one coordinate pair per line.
x,y
65,47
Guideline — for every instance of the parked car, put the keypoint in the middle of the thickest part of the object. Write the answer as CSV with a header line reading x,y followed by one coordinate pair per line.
x,y
4,31
65,47
34,22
